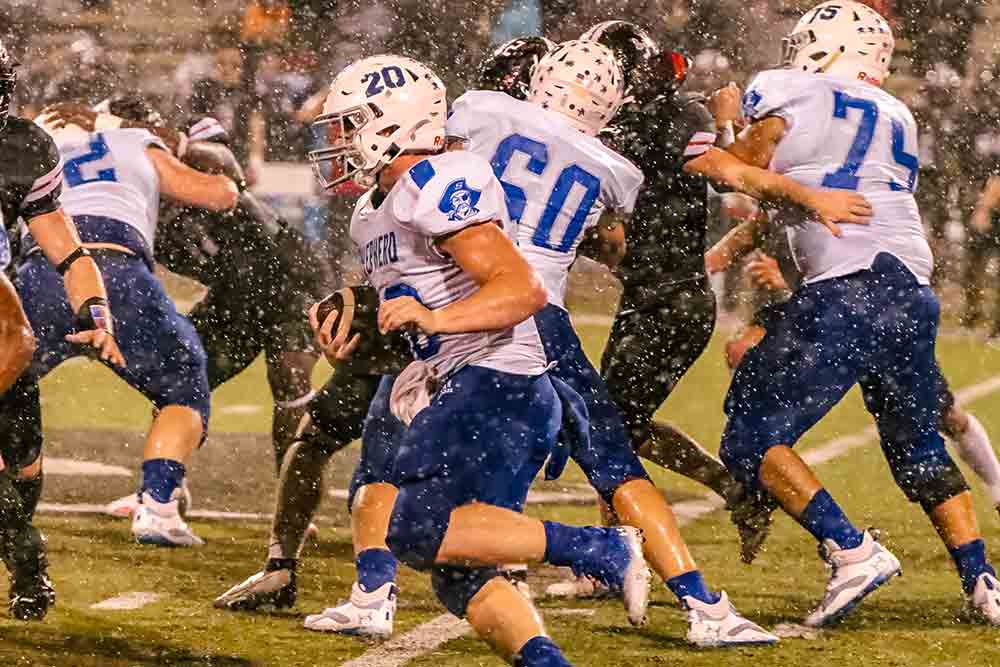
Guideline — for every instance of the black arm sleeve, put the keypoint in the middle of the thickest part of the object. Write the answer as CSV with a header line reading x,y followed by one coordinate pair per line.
x,y
42,178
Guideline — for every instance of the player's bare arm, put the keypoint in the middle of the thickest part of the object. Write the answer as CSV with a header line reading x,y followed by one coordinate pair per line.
x,y
988,202
57,237
189,186
743,166
740,240
510,291
85,117
605,243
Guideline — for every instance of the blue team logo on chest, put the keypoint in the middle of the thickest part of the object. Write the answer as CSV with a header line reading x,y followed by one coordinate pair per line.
x,y
459,200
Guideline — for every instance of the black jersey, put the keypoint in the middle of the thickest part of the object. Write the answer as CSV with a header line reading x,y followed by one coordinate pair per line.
x,y
666,234
30,172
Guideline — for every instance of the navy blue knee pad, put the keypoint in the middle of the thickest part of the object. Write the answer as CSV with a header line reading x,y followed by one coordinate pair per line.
x,y
21,424
419,522
930,482
456,586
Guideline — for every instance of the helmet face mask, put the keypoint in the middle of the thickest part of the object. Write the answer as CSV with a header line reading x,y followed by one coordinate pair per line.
x,y
378,109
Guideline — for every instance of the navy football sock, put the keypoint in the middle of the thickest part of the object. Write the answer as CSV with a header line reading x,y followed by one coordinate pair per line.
x,y
693,584
376,568
970,559
826,521
160,477
566,546
540,652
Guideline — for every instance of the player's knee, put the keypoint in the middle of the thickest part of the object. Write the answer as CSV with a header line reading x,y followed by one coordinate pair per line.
x,y
456,586
310,438
930,482
742,452
417,528
290,378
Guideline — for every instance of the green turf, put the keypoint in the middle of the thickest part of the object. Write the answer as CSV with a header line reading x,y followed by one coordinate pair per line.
x,y
911,622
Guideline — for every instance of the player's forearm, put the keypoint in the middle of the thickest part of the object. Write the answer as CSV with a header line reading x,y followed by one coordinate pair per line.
x,y
56,235
739,241
83,281
502,302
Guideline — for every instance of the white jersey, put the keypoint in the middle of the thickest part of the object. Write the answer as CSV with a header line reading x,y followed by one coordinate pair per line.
x,y
438,197
109,175
558,181
847,135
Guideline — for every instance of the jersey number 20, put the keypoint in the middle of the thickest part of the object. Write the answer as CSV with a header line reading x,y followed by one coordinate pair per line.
x,y
846,178
96,162
570,176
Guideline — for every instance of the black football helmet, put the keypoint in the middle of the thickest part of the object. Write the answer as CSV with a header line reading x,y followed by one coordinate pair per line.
x,y
631,44
8,80
132,107
649,71
508,68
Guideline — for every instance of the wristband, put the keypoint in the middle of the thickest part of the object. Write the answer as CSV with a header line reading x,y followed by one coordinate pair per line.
x,y
182,144
106,121
64,265
727,135
94,315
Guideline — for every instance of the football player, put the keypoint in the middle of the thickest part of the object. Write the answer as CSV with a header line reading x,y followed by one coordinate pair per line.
x,y
481,413
775,276
865,313
114,179
541,150
30,188
258,270
336,417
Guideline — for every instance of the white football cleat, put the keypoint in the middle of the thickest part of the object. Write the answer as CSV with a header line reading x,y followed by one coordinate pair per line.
x,y
622,568
719,624
579,588
856,573
161,524
365,614
984,603
125,507
269,589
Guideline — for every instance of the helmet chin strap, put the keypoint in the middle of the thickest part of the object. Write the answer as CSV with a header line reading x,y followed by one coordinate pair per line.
x,y
830,62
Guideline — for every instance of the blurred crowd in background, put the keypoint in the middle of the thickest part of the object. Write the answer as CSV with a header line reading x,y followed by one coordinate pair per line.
x,y
261,66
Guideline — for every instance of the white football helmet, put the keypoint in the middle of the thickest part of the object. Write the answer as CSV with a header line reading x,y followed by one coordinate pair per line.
x,y
843,38
582,81
377,109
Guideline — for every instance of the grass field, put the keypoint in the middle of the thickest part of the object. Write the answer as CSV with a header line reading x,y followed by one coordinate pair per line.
x,y
911,622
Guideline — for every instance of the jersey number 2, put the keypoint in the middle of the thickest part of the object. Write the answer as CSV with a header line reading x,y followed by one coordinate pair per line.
x,y
846,177
94,161
570,176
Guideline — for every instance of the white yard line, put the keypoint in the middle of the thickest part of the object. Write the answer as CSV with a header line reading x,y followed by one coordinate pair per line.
x,y
127,601
417,642
58,466
435,633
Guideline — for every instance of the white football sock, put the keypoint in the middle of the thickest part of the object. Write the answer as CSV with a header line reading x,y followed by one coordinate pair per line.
x,y
975,449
